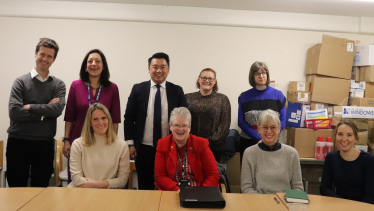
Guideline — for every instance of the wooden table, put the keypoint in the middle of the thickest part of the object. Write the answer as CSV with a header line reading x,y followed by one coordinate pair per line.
x,y
234,201
15,198
318,203
56,199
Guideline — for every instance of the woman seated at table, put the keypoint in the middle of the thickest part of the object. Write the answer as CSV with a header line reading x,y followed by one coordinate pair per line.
x,y
99,159
183,156
270,167
350,170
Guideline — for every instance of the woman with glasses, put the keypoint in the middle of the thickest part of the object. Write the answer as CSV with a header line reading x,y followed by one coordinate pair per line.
x,y
270,166
211,112
182,156
252,102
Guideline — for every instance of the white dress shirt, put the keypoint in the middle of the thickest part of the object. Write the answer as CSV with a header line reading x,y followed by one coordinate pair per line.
x,y
34,74
148,129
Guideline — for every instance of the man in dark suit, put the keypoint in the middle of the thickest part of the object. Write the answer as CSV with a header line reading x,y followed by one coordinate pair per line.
x,y
147,117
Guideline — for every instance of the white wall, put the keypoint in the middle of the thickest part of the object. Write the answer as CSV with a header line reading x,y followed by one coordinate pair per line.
x,y
230,50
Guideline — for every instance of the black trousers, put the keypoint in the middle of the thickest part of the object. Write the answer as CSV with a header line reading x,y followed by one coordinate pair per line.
x,y
217,154
145,167
244,144
21,154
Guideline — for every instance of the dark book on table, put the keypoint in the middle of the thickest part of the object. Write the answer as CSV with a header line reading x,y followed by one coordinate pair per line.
x,y
296,196
201,197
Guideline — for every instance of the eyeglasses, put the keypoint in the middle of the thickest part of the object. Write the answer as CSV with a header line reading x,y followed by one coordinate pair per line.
x,y
181,126
209,79
258,74
266,128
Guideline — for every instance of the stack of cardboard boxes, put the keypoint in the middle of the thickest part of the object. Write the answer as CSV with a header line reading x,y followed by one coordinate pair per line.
x,y
363,77
328,69
328,73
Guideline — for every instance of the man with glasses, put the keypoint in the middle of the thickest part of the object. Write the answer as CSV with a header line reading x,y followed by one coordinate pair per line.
x,y
147,116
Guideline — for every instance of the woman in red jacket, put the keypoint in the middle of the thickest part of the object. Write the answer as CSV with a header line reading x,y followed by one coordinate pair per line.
x,y
183,156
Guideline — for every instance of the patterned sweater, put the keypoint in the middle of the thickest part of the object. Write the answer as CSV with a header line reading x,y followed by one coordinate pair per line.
x,y
211,117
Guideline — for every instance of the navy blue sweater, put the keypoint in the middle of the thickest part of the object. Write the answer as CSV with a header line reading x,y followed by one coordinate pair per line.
x,y
353,180
251,105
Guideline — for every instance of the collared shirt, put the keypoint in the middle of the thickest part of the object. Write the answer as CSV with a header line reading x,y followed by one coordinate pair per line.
x,y
34,74
148,129
265,147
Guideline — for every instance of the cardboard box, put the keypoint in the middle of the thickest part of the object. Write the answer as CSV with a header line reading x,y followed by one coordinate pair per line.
x,y
304,140
362,138
371,148
363,148
366,73
329,90
301,97
364,55
295,115
299,86
356,101
333,57
362,124
369,90
355,74
370,127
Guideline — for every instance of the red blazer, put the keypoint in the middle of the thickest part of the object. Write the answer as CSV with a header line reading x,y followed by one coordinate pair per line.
x,y
201,159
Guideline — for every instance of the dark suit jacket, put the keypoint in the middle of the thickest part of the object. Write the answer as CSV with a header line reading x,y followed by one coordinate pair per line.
x,y
137,105
200,158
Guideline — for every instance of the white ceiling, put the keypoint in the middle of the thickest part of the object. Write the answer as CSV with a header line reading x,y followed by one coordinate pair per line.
x,y
355,8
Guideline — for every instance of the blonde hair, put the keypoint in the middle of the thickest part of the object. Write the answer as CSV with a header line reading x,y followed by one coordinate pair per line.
x,y
268,116
87,135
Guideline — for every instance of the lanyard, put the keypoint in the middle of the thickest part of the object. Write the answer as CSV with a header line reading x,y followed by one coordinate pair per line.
x,y
89,96
183,162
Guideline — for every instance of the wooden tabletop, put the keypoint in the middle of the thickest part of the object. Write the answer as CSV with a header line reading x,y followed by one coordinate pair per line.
x,y
318,203
234,201
15,198
56,199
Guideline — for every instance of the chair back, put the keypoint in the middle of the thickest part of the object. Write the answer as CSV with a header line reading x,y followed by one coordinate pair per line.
x,y
58,161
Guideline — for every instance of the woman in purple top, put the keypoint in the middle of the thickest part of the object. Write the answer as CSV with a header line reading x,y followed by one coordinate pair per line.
x,y
94,79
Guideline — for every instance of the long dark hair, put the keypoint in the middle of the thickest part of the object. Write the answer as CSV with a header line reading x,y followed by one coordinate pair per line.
x,y
105,75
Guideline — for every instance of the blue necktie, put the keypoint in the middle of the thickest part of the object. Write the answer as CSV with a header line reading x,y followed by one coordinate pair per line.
x,y
157,117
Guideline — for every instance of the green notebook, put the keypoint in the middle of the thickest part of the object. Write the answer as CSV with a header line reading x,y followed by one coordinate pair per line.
x,y
296,196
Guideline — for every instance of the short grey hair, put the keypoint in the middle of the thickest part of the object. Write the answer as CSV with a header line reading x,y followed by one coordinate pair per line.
x,y
180,112
269,116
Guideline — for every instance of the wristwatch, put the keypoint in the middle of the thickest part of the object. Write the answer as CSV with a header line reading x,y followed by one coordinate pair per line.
x,y
65,139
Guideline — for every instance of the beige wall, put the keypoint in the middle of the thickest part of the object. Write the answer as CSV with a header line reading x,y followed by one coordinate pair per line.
x,y
127,45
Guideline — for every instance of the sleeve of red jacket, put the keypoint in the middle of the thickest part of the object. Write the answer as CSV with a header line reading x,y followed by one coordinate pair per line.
x,y
209,165
163,181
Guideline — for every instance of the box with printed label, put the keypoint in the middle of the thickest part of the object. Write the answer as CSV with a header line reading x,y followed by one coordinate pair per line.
x,y
295,115
304,140
363,148
358,93
299,86
329,90
356,101
364,55
301,97
333,57
358,112
320,106
367,73
369,90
